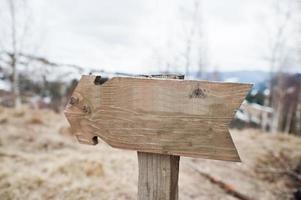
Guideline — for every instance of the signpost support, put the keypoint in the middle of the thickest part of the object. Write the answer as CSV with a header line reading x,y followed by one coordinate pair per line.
x,y
158,173
158,176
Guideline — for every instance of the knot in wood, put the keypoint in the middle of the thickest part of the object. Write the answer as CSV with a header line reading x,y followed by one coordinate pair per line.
x,y
198,93
74,100
86,109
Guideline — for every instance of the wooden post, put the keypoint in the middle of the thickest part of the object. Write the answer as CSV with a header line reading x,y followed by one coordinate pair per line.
x,y
158,173
158,176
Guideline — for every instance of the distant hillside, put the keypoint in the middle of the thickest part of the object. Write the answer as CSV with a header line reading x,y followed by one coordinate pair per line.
x,y
246,76
237,76
258,78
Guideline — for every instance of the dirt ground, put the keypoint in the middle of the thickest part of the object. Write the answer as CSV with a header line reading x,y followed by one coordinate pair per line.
x,y
39,159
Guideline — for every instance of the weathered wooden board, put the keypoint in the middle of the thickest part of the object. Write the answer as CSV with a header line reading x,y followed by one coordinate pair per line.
x,y
167,116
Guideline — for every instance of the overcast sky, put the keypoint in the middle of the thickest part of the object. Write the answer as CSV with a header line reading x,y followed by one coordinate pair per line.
x,y
140,36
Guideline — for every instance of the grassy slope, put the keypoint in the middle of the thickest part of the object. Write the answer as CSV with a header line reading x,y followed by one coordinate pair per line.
x,y
38,160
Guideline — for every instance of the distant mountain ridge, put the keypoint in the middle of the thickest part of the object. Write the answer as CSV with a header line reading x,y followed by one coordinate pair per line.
x,y
237,76
246,76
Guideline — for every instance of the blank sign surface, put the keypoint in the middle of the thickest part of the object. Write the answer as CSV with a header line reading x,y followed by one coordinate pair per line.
x,y
166,116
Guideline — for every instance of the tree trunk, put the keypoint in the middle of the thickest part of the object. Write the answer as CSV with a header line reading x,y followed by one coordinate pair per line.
x,y
14,54
298,115
289,117
15,83
277,117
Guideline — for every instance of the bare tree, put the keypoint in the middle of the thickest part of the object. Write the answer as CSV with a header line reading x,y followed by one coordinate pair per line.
x,y
194,42
298,110
186,51
202,48
280,58
18,55
16,24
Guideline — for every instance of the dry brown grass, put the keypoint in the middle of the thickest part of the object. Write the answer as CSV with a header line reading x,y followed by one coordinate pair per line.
x,y
66,130
19,113
2,109
3,120
35,120
282,169
38,161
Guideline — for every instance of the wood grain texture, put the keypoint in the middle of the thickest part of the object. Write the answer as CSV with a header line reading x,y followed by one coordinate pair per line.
x,y
158,176
175,117
158,173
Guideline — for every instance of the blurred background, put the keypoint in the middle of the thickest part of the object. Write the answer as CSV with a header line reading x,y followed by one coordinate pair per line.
x,y
45,46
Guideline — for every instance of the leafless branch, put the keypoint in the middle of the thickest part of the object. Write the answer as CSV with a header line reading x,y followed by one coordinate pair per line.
x,y
50,63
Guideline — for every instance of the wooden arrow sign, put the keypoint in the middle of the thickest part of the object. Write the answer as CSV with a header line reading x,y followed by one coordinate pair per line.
x,y
166,116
